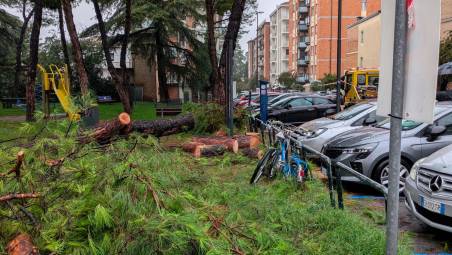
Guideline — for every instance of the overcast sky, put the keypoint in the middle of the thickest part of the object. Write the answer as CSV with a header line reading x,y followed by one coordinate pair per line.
x,y
84,16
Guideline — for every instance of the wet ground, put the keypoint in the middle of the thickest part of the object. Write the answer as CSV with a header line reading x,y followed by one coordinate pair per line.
x,y
425,240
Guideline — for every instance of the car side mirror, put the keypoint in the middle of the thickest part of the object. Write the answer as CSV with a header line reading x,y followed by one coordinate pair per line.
x,y
369,121
288,106
434,131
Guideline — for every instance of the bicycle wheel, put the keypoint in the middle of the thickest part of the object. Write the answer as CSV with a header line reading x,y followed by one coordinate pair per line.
x,y
262,165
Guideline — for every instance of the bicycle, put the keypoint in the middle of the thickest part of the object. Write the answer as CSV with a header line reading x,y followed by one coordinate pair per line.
x,y
280,158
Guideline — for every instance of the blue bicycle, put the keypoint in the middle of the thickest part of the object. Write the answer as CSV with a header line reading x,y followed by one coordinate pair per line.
x,y
283,159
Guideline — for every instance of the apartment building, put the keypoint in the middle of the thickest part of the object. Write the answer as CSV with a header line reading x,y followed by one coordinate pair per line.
x,y
323,32
279,42
263,51
299,39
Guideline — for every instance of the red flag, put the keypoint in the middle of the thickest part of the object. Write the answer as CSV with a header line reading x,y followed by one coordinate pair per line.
x,y
410,11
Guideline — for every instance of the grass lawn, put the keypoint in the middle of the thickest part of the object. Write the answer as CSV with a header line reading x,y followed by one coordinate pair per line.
x,y
15,111
135,197
142,111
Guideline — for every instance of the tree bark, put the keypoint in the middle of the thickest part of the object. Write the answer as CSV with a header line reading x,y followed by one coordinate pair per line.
x,y
22,245
123,91
164,127
76,48
246,141
232,32
67,60
19,45
161,70
109,129
253,153
124,46
34,48
231,144
211,43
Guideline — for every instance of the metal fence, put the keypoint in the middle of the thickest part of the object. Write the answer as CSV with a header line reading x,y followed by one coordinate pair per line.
x,y
332,168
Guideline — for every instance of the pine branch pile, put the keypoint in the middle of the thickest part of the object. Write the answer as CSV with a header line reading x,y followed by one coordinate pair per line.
x,y
131,197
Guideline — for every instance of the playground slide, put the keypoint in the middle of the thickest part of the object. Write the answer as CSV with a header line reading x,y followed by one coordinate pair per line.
x,y
57,81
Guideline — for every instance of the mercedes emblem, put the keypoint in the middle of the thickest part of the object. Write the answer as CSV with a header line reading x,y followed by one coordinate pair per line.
x,y
435,183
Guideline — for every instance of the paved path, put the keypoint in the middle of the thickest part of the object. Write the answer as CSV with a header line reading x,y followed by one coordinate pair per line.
x,y
20,118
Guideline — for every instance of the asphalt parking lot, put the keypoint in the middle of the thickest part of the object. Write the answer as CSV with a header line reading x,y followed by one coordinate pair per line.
x,y
425,240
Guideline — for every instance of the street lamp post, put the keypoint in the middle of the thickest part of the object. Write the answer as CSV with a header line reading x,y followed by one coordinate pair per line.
x,y
257,54
339,56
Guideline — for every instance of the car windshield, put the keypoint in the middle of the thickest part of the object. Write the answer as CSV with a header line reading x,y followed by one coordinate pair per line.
x,y
281,102
276,99
406,124
350,112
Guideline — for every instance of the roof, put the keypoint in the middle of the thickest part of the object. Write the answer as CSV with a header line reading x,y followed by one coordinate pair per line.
x,y
364,19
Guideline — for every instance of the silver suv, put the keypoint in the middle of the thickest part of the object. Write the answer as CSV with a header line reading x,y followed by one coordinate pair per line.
x,y
318,132
428,192
367,149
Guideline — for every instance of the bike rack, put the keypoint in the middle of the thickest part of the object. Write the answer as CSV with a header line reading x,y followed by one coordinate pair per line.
x,y
331,166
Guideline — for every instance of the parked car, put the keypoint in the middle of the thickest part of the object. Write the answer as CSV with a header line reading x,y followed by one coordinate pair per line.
x,y
318,132
367,149
300,109
428,192
244,99
256,102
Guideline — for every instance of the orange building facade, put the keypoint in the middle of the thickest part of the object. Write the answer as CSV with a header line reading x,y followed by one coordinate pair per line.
x,y
323,32
263,51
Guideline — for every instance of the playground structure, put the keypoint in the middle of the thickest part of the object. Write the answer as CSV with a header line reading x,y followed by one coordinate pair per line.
x,y
58,81
360,84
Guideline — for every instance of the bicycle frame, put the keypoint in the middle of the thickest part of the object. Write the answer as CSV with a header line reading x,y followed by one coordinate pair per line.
x,y
291,165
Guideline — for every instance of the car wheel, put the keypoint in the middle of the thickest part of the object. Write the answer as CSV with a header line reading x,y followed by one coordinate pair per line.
x,y
381,173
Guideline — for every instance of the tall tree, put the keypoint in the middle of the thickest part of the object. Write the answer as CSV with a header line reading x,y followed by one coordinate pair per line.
x,y
234,12
26,16
76,48
34,48
119,79
67,60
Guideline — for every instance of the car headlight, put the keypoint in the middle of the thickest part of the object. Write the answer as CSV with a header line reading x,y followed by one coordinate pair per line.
x,y
415,169
368,148
313,134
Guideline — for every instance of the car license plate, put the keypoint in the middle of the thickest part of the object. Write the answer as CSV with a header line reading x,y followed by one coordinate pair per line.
x,y
432,205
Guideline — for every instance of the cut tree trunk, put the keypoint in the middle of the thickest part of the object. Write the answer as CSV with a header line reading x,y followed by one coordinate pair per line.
x,y
193,148
247,141
252,153
109,129
34,48
231,144
22,245
76,48
164,127
212,150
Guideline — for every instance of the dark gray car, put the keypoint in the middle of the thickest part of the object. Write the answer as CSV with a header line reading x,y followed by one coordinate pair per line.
x,y
367,149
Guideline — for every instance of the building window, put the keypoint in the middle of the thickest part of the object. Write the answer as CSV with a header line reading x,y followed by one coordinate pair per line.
x,y
362,36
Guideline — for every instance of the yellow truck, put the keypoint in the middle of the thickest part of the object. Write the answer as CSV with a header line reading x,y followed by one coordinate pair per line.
x,y
360,84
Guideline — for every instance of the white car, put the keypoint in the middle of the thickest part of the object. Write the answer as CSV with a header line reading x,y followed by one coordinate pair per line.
x,y
316,133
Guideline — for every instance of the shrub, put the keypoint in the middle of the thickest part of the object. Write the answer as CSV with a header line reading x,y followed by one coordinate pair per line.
x,y
209,117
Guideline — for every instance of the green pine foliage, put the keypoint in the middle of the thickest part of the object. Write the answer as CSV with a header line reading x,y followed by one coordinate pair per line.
x,y
100,201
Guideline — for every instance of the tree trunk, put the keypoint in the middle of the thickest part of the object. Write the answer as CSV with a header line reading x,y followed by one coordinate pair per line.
x,y
232,32
34,48
161,70
124,46
67,60
123,92
76,48
211,43
110,129
231,144
164,127
19,45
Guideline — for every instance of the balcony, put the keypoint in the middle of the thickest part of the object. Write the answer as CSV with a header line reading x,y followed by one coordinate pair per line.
x,y
303,27
304,61
303,79
303,9
302,45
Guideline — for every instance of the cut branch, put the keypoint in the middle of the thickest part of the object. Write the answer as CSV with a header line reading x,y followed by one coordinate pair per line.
x,y
19,196
16,168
